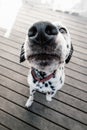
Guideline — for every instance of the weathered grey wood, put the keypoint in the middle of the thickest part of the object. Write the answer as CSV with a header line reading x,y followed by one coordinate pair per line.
x,y
9,73
3,128
27,116
37,108
69,17
53,14
13,123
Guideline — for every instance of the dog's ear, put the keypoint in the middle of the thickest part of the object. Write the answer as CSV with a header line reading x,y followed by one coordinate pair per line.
x,y
70,55
22,54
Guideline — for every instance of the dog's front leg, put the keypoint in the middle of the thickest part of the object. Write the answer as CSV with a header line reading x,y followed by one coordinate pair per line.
x,y
50,95
30,99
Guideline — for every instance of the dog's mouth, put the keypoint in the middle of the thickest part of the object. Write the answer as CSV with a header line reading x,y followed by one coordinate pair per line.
x,y
43,58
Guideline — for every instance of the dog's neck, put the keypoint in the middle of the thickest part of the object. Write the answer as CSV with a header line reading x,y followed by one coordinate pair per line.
x,y
42,76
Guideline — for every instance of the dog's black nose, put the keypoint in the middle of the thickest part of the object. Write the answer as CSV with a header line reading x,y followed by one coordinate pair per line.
x,y
42,32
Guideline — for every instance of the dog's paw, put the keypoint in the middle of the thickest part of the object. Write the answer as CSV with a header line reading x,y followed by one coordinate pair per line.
x,y
48,98
28,103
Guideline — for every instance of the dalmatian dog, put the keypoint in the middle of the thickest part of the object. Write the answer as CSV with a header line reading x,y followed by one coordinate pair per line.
x,y
47,48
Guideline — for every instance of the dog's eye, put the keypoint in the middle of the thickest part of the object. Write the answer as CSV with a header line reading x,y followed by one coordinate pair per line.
x,y
62,30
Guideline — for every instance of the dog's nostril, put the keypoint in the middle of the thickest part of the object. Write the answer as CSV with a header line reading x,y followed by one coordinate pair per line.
x,y
32,32
51,30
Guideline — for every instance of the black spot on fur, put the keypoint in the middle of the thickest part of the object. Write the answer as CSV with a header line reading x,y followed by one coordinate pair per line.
x,y
70,55
33,91
52,87
48,92
49,83
62,68
53,76
46,85
67,46
34,81
61,80
52,92
22,54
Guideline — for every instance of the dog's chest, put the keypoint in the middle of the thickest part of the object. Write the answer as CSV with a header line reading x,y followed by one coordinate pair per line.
x,y
51,85
47,86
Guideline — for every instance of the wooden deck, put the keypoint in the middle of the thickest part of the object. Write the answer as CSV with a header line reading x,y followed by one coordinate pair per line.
x,y
68,110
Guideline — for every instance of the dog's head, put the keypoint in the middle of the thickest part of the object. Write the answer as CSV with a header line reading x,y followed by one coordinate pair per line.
x,y
47,45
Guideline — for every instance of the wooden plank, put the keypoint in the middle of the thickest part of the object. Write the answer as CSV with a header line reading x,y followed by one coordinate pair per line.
x,y
9,42
11,65
79,55
73,18
12,57
47,12
14,123
76,83
70,81
39,109
82,50
78,76
80,44
9,73
10,49
74,92
3,127
27,116
76,68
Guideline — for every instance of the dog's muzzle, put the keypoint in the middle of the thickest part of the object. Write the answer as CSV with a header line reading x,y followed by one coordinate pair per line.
x,y
42,33
42,43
